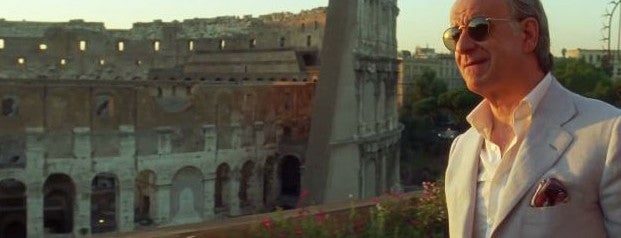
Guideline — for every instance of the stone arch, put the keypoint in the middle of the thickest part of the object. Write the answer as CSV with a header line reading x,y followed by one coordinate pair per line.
x,y
58,204
12,208
290,183
247,184
222,194
144,197
187,196
104,203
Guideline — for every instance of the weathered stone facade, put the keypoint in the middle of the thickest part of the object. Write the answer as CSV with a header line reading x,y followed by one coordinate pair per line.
x,y
163,124
353,145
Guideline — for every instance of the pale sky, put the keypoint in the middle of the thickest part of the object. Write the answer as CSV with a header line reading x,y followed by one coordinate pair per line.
x,y
573,23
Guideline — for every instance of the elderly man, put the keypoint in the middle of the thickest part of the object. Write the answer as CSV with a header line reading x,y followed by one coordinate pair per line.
x,y
538,160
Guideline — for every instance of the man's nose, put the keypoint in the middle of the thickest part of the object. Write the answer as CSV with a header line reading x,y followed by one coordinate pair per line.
x,y
465,43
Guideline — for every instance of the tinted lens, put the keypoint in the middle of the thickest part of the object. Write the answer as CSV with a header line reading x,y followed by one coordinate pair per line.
x,y
450,38
478,29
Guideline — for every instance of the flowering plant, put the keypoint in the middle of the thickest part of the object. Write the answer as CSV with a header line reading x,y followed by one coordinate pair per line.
x,y
393,215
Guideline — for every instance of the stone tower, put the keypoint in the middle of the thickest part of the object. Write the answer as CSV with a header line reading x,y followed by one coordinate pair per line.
x,y
353,145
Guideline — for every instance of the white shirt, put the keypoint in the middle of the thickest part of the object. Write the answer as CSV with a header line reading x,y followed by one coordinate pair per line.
x,y
494,166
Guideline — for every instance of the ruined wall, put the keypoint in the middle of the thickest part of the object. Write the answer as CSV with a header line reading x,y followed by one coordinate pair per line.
x,y
183,108
85,50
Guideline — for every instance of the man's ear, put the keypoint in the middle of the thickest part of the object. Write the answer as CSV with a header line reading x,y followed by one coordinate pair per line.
x,y
530,34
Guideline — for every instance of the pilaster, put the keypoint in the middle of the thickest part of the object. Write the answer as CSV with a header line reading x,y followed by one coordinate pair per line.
x,y
82,143
162,204
82,210
234,189
210,187
34,209
259,134
164,145
236,133
128,141
125,216
209,132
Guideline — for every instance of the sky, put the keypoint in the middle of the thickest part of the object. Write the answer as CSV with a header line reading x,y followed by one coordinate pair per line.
x,y
573,23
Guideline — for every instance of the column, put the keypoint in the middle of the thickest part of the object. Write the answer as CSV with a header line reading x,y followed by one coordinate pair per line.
x,y
210,136
82,212
34,209
35,155
210,191
236,134
82,143
164,145
162,204
234,209
382,156
259,134
125,209
128,141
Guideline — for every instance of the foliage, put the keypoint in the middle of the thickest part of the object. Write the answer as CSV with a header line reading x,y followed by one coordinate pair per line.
x,y
588,80
394,215
430,109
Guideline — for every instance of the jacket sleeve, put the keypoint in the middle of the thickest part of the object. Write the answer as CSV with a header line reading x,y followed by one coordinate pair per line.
x,y
610,187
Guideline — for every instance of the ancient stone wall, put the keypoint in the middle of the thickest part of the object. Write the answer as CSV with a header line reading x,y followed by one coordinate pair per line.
x,y
86,50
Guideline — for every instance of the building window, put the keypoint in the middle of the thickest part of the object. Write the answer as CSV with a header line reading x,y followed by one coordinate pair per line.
x,y
21,60
42,47
82,45
9,106
104,106
309,41
316,25
253,43
222,44
282,42
120,46
303,27
191,45
1,44
156,45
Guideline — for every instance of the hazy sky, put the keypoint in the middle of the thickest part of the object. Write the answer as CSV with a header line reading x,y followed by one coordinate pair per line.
x,y
573,23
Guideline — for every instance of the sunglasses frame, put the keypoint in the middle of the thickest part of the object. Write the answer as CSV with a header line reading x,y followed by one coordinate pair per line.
x,y
451,36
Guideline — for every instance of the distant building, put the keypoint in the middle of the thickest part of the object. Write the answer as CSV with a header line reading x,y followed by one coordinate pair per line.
x,y
413,66
596,58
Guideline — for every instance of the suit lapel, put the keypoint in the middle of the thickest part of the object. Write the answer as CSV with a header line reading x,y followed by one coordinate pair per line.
x,y
465,181
542,147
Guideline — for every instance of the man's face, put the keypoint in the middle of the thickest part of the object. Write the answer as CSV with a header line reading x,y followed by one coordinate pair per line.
x,y
486,65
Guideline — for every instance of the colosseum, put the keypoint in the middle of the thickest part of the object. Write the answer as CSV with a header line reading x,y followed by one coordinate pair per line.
x,y
166,123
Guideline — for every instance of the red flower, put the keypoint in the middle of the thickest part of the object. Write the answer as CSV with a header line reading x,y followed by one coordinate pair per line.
x,y
267,223
321,216
375,200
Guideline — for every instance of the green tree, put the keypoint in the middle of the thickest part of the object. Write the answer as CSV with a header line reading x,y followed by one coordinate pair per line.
x,y
583,78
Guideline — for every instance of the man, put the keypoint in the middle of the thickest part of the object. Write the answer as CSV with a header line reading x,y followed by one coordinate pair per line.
x,y
538,160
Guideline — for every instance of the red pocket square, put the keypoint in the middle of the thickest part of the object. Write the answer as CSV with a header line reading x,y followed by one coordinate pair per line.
x,y
549,192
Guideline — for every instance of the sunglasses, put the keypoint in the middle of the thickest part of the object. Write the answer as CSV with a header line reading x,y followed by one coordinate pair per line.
x,y
477,28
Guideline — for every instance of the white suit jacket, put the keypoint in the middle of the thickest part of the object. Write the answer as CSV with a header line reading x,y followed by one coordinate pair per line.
x,y
573,139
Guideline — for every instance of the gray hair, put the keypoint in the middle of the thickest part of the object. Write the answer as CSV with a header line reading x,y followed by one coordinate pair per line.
x,y
522,9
